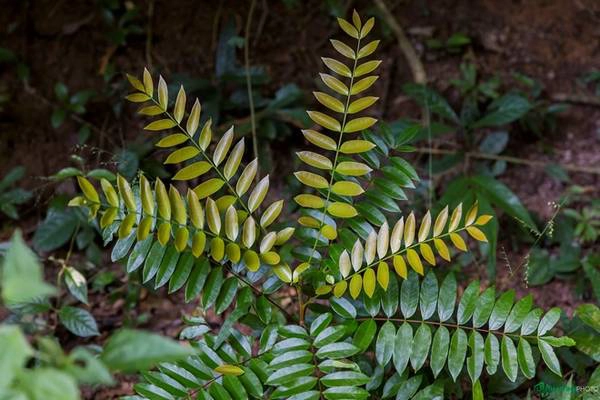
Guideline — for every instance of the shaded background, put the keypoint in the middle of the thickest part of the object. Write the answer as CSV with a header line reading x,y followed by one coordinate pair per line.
x,y
52,50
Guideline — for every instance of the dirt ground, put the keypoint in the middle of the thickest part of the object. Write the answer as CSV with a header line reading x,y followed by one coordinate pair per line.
x,y
553,41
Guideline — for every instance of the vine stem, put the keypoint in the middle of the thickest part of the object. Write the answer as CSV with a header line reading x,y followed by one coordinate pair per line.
x,y
455,326
249,81
510,159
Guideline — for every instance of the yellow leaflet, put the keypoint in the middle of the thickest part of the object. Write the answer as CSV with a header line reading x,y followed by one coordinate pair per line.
x,y
355,285
414,261
400,266
369,282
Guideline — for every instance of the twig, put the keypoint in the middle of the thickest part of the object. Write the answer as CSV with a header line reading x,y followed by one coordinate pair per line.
x,y
215,27
513,160
249,81
261,22
149,35
585,99
407,48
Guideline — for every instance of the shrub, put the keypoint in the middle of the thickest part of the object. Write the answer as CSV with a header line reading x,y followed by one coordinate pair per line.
x,y
358,326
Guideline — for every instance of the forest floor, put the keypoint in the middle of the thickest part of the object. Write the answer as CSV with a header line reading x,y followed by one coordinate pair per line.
x,y
554,42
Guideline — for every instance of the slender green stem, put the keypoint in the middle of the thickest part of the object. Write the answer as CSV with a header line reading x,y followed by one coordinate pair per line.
x,y
249,81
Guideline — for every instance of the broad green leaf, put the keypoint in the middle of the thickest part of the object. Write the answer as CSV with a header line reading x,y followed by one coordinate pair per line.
x,y
447,298
492,353
384,347
347,188
531,321
403,345
504,110
390,298
439,349
420,346
367,49
167,266
287,374
76,283
549,357
430,99
548,321
501,310
343,308
344,378
409,296
212,287
518,314
337,350
484,307
78,321
22,276
364,334
501,196
341,210
467,303
130,350
525,358
329,335
429,295
475,360
457,352
15,352
509,358
49,384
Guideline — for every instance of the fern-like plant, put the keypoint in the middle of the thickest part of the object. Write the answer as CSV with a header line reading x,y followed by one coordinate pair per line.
x,y
366,325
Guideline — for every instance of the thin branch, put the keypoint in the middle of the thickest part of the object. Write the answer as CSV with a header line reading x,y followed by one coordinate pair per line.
x,y
414,62
249,80
149,35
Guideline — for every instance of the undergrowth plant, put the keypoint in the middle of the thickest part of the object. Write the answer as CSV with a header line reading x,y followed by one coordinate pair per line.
x,y
336,302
